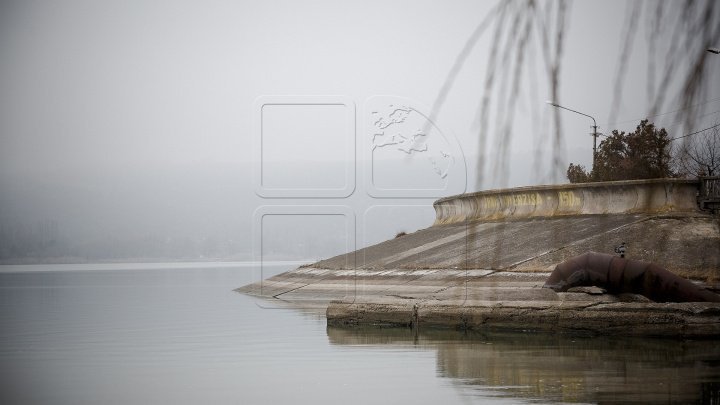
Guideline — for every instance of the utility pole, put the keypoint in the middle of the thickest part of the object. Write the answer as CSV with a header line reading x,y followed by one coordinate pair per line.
x,y
594,134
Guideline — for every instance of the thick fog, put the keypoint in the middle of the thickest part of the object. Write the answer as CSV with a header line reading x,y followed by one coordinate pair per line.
x,y
149,130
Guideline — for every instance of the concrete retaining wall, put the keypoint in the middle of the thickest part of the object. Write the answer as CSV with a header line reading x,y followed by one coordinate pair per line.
x,y
615,197
686,320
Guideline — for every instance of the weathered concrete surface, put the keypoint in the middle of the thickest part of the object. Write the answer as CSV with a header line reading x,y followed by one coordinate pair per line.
x,y
613,197
480,299
533,228
613,318
508,300
686,244
484,273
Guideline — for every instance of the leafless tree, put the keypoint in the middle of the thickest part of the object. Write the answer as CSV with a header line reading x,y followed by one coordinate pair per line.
x,y
700,155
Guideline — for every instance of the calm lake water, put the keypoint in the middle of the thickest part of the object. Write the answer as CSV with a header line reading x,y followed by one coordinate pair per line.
x,y
177,333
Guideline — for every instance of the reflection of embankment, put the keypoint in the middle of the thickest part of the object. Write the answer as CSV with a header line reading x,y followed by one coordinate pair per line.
x,y
563,367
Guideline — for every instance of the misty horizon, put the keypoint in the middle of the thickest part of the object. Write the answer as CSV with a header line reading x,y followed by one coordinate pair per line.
x,y
129,131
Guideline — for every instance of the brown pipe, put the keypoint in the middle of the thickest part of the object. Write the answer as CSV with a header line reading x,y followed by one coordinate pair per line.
x,y
618,275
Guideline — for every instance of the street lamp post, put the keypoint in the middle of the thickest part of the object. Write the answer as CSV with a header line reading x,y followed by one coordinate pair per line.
x,y
594,134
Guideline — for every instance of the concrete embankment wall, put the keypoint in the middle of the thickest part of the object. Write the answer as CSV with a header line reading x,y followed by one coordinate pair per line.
x,y
483,263
618,197
532,229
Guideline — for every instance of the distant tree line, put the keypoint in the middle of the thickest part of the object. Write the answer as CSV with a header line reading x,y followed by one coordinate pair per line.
x,y
648,153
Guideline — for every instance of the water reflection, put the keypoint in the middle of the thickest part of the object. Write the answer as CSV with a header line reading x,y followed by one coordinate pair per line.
x,y
560,367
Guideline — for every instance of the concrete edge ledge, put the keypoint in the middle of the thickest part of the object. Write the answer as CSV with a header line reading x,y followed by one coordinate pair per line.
x,y
616,197
696,320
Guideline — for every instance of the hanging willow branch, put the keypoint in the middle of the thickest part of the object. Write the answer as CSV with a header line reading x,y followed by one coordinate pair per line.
x,y
677,35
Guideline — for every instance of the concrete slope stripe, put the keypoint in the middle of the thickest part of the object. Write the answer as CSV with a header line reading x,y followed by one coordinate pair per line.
x,y
418,249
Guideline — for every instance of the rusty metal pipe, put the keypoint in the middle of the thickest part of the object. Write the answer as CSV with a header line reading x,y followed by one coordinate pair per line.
x,y
618,275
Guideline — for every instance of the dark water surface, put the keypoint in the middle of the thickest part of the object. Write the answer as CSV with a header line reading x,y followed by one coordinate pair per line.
x,y
127,334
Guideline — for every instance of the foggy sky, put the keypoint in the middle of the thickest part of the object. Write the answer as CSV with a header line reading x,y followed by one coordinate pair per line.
x,y
133,121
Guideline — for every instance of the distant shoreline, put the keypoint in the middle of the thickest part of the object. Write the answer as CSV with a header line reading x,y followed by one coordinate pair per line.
x,y
108,266
80,260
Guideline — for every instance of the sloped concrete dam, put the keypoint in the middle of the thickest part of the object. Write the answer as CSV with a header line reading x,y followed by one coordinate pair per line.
x,y
484,260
